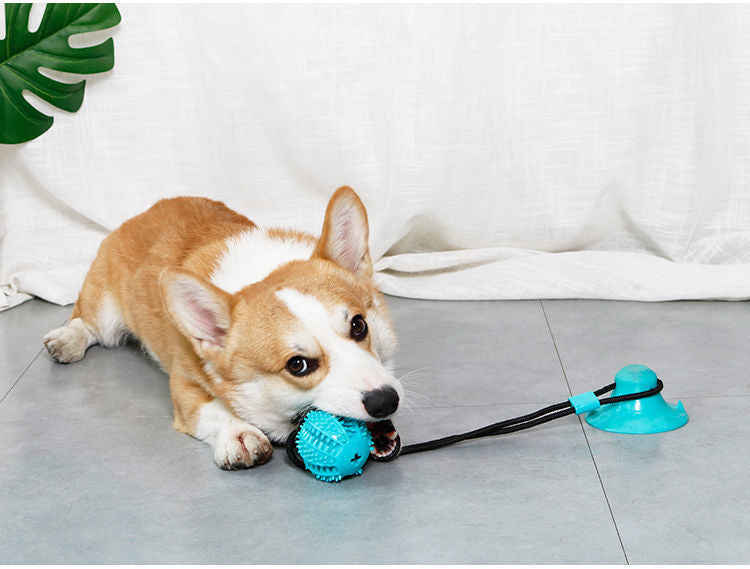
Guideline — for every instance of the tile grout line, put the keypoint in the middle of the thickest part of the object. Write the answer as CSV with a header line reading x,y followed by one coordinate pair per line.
x,y
26,369
585,436
21,376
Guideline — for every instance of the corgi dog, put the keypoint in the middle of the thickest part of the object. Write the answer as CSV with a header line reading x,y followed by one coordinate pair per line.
x,y
253,326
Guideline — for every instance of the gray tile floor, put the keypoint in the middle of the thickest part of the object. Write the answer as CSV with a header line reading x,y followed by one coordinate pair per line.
x,y
91,471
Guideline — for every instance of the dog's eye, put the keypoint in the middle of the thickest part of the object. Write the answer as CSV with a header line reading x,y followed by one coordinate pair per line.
x,y
359,328
299,365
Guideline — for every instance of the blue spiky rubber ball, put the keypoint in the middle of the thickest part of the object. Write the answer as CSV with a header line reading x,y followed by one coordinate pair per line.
x,y
333,447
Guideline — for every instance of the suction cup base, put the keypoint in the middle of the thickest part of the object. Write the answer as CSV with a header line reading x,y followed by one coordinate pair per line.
x,y
639,416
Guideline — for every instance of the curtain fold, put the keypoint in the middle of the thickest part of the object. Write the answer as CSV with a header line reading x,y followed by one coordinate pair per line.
x,y
503,151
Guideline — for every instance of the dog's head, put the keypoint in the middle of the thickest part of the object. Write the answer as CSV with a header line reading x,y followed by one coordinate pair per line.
x,y
313,333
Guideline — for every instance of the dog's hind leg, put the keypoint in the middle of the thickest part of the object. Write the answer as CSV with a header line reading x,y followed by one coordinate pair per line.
x,y
96,319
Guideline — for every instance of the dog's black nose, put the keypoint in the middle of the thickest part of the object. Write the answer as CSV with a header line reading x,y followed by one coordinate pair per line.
x,y
381,402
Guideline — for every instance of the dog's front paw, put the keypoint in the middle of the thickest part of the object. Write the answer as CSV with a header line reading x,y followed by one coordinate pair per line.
x,y
241,446
68,344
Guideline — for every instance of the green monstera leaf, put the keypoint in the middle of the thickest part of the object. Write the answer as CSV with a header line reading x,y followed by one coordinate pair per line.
x,y
22,53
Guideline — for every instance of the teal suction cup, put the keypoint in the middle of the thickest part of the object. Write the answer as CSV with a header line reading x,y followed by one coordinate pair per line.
x,y
639,416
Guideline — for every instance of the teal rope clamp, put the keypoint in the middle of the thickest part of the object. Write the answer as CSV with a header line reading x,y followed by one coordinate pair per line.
x,y
584,402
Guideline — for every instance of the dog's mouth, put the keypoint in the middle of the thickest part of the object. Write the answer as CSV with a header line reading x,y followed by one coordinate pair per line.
x,y
385,439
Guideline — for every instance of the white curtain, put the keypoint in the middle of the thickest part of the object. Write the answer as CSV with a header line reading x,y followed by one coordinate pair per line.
x,y
503,151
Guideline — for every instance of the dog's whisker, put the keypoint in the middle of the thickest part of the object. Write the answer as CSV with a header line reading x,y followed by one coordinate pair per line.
x,y
417,394
409,376
413,394
413,372
415,386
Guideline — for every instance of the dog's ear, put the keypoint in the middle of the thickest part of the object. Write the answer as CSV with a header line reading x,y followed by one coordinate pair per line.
x,y
345,233
200,310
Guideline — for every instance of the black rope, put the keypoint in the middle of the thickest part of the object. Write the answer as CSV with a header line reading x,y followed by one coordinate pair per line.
x,y
525,421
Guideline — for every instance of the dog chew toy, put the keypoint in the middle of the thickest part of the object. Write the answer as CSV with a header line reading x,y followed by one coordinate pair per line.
x,y
329,446
333,447
637,416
